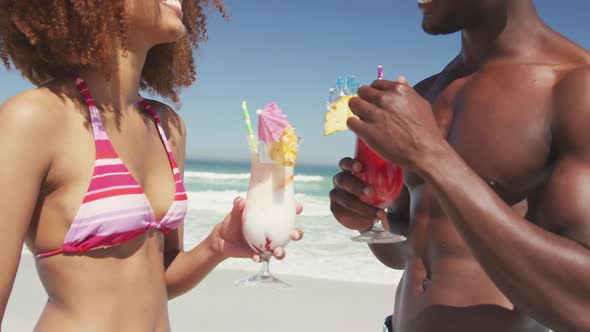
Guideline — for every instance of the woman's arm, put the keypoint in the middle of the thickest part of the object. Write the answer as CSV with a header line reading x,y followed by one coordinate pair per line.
x,y
26,133
186,269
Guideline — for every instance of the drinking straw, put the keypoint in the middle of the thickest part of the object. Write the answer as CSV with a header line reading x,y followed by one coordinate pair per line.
x,y
253,141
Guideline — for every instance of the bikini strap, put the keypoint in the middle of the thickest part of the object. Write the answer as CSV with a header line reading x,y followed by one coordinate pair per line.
x,y
97,127
146,106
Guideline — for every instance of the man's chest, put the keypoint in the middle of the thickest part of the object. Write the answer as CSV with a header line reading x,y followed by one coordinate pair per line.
x,y
500,124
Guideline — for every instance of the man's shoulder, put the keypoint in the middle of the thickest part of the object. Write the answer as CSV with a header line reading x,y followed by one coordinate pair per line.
x,y
423,86
573,86
571,66
572,104
578,74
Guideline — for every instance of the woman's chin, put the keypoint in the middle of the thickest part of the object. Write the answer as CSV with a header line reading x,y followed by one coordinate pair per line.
x,y
179,34
171,35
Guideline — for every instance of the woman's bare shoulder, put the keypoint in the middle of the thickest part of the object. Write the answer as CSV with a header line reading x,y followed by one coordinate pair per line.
x,y
172,122
36,114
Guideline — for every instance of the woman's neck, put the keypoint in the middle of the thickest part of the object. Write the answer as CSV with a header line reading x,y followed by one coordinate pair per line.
x,y
117,91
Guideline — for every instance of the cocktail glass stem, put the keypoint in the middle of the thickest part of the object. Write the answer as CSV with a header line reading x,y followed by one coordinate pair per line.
x,y
264,278
265,266
378,234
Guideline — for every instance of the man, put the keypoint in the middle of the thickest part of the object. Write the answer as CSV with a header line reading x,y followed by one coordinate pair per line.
x,y
496,155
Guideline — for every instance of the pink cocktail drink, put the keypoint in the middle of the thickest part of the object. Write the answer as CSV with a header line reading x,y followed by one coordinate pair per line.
x,y
386,180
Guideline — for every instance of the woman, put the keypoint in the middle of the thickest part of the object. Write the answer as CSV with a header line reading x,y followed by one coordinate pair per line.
x,y
91,174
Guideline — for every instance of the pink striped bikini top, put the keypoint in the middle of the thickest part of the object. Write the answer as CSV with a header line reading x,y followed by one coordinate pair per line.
x,y
115,209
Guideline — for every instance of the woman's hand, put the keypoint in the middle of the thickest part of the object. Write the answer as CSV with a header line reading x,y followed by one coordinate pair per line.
x,y
228,240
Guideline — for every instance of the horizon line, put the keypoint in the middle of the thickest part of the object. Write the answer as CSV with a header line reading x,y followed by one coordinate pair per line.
x,y
221,159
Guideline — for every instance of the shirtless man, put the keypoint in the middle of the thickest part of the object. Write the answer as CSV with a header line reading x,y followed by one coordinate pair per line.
x,y
496,156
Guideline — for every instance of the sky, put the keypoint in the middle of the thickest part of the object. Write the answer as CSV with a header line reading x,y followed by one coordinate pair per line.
x,y
292,52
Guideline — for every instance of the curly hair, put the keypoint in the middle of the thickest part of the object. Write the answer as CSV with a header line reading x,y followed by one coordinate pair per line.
x,y
45,39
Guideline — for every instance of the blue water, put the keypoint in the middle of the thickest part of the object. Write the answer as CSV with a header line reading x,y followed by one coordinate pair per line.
x,y
326,251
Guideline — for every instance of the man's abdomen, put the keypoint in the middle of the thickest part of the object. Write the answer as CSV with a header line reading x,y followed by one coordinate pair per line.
x,y
444,288
457,297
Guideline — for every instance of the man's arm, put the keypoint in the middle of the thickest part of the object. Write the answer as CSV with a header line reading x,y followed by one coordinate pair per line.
x,y
546,275
393,255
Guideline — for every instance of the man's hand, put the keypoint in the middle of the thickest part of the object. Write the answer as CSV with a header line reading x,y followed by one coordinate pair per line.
x,y
345,201
396,122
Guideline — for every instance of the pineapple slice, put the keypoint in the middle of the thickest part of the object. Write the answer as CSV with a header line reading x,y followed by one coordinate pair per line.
x,y
284,151
338,113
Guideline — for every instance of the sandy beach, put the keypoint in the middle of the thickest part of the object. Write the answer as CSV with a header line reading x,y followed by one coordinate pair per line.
x,y
216,305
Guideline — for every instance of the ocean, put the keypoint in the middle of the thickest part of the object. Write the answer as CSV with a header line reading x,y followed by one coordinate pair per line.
x,y
325,252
